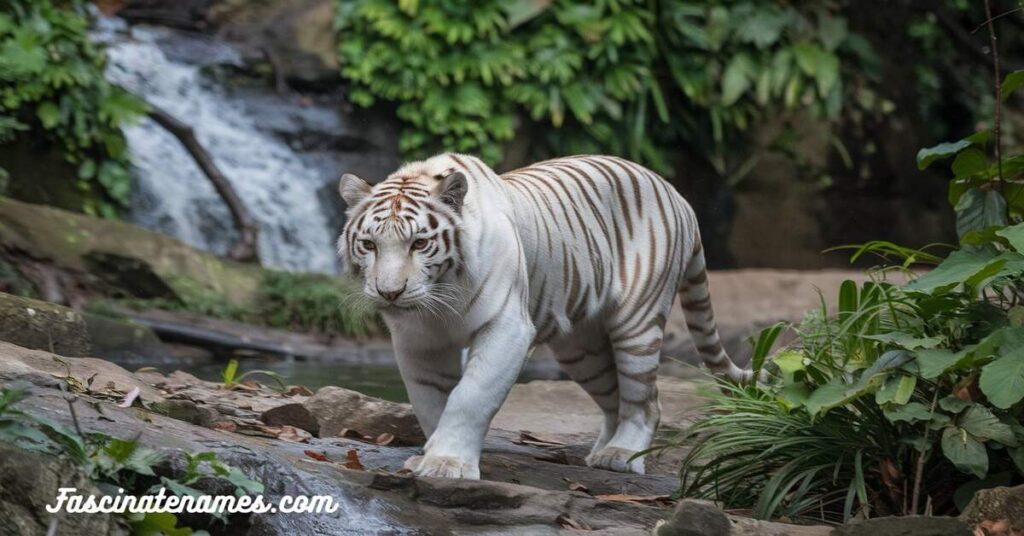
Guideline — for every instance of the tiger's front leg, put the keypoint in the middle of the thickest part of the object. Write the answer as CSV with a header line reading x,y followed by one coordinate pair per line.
x,y
496,356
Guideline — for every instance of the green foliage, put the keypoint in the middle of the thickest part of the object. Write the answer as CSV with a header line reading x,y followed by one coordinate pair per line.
x,y
123,463
314,302
295,301
904,394
616,76
230,376
53,88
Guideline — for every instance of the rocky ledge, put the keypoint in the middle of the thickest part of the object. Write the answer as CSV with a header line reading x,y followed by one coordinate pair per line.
x,y
341,443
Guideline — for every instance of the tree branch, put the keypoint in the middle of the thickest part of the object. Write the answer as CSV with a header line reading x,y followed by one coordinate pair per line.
x,y
245,250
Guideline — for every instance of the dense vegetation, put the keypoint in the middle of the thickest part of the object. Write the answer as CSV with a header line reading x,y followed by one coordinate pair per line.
x,y
53,92
909,397
616,76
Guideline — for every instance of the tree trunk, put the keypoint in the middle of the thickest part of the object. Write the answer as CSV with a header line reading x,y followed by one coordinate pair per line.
x,y
245,250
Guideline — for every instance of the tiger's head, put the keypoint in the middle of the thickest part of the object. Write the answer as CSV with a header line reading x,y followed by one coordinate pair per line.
x,y
402,236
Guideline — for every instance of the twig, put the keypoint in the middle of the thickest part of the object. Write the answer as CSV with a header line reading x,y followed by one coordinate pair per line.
x,y
999,93
71,399
245,249
919,471
997,17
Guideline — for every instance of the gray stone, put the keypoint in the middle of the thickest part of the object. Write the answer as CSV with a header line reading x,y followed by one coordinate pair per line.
x,y
695,518
336,410
29,481
43,326
1001,507
905,526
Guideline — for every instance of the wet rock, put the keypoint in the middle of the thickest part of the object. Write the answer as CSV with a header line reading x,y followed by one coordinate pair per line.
x,y
905,526
702,518
72,243
999,510
188,411
123,340
695,518
371,502
295,414
82,373
29,481
336,410
43,326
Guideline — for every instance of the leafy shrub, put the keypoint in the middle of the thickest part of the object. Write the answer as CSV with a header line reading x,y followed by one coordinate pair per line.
x,y
619,76
908,398
53,89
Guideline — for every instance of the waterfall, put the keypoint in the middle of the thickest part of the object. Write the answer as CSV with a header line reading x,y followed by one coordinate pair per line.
x,y
284,189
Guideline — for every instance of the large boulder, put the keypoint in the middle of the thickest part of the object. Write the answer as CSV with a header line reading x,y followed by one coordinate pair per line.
x,y
1000,511
47,326
43,326
104,255
29,481
905,526
296,36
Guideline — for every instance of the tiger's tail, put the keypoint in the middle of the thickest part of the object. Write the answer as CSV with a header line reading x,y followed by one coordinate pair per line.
x,y
695,296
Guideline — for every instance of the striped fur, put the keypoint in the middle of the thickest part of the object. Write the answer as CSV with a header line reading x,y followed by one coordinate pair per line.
x,y
584,253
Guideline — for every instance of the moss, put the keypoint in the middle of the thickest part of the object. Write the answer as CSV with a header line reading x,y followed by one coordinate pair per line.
x,y
298,302
313,302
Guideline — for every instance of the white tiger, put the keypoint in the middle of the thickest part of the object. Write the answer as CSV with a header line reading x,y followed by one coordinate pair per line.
x,y
584,253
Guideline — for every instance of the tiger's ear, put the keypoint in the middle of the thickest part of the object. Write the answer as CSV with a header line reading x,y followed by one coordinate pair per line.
x,y
453,191
352,189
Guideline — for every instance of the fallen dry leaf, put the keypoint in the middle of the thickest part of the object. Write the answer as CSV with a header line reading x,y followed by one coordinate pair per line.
x,y
291,433
352,461
225,425
300,390
529,438
318,456
567,522
129,398
385,439
637,499
578,486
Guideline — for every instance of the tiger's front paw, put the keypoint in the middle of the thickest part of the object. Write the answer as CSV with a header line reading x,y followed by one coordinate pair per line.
x,y
443,466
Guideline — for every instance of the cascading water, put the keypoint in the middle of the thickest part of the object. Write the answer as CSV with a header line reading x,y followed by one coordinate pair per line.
x,y
284,189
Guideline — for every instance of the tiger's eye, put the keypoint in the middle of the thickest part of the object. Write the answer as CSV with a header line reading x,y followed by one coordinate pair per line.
x,y
420,243
368,245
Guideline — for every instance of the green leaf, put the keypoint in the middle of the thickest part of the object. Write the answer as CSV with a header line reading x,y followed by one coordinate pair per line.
x,y
934,361
789,362
1002,380
966,452
48,114
1011,83
1014,234
826,397
960,266
897,389
926,156
980,422
912,412
953,404
737,78
978,210
969,162
905,340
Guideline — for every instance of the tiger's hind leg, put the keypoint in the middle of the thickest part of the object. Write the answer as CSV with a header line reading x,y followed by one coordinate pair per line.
x,y
636,346
589,361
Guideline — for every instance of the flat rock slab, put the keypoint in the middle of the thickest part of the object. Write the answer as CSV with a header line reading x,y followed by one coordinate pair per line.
x,y
527,488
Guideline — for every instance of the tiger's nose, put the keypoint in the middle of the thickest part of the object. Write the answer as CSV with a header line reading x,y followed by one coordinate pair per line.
x,y
392,295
